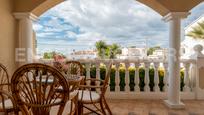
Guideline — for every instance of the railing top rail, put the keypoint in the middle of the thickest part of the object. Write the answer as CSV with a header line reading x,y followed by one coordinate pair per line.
x,y
120,60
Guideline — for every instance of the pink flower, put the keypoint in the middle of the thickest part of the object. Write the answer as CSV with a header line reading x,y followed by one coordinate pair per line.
x,y
58,58
65,67
59,62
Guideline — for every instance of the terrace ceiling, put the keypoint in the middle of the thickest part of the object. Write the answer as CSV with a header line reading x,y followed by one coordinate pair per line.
x,y
162,7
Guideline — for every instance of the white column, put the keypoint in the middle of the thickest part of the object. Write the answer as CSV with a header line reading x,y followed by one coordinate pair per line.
x,y
174,19
24,50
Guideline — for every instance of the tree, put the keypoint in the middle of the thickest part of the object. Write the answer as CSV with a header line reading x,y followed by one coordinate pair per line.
x,y
101,47
152,49
197,32
114,49
107,51
50,55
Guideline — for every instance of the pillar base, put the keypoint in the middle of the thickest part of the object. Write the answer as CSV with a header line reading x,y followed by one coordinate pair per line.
x,y
174,106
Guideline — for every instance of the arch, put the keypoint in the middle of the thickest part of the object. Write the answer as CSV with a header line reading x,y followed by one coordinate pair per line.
x,y
46,5
179,5
163,7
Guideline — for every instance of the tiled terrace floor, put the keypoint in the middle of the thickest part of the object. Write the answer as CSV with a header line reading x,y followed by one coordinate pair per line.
x,y
154,107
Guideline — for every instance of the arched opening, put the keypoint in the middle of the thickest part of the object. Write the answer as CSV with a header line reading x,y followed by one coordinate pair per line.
x,y
77,26
46,5
156,6
176,11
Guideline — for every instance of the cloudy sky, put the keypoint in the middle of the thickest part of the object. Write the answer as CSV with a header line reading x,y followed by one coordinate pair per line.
x,y
78,24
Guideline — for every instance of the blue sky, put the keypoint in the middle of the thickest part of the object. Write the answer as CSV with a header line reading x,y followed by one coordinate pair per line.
x,y
78,24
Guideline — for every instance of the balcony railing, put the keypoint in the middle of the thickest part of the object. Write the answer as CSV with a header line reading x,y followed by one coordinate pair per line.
x,y
130,83
139,85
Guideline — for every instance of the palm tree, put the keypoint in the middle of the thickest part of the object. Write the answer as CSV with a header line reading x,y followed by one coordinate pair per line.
x,y
101,47
197,32
114,49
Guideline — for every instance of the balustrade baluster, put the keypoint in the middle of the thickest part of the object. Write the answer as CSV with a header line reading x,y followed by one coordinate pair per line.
x,y
127,77
88,74
165,79
97,74
107,64
186,77
117,77
137,78
147,88
156,77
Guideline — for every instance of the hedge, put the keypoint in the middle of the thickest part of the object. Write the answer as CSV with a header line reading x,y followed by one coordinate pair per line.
x,y
132,75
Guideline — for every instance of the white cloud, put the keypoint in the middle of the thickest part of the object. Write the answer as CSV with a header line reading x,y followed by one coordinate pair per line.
x,y
71,34
113,19
127,22
43,34
90,38
37,27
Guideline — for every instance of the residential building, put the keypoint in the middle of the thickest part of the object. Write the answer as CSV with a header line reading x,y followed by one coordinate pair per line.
x,y
131,53
188,43
160,54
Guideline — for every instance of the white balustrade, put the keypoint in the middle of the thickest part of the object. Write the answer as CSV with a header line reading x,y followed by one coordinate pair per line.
x,y
135,64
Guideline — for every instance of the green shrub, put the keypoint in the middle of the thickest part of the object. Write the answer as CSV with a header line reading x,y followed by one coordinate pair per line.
x,y
132,77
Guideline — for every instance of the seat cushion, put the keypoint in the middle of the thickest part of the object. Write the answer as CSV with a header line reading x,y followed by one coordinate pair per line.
x,y
88,96
67,109
8,104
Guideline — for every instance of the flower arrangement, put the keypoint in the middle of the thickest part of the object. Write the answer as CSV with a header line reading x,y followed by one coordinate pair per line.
x,y
59,63
66,70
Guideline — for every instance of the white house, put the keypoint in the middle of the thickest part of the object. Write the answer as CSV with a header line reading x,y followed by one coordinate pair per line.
x,y
128,53
159,54
84,54
188,43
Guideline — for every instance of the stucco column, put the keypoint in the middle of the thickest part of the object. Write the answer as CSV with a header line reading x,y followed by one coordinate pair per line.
x,y
24,50
174,19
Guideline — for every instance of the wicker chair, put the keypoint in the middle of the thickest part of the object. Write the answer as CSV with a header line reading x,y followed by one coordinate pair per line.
x,y
72,70
7,103
35,87
4,79
89,95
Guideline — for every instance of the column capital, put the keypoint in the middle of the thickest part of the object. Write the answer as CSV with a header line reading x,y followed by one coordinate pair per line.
x,y
23,15
175,15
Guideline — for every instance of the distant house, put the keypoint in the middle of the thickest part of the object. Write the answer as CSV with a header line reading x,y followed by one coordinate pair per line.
x,y
159,54
188,43
132,53
84,54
